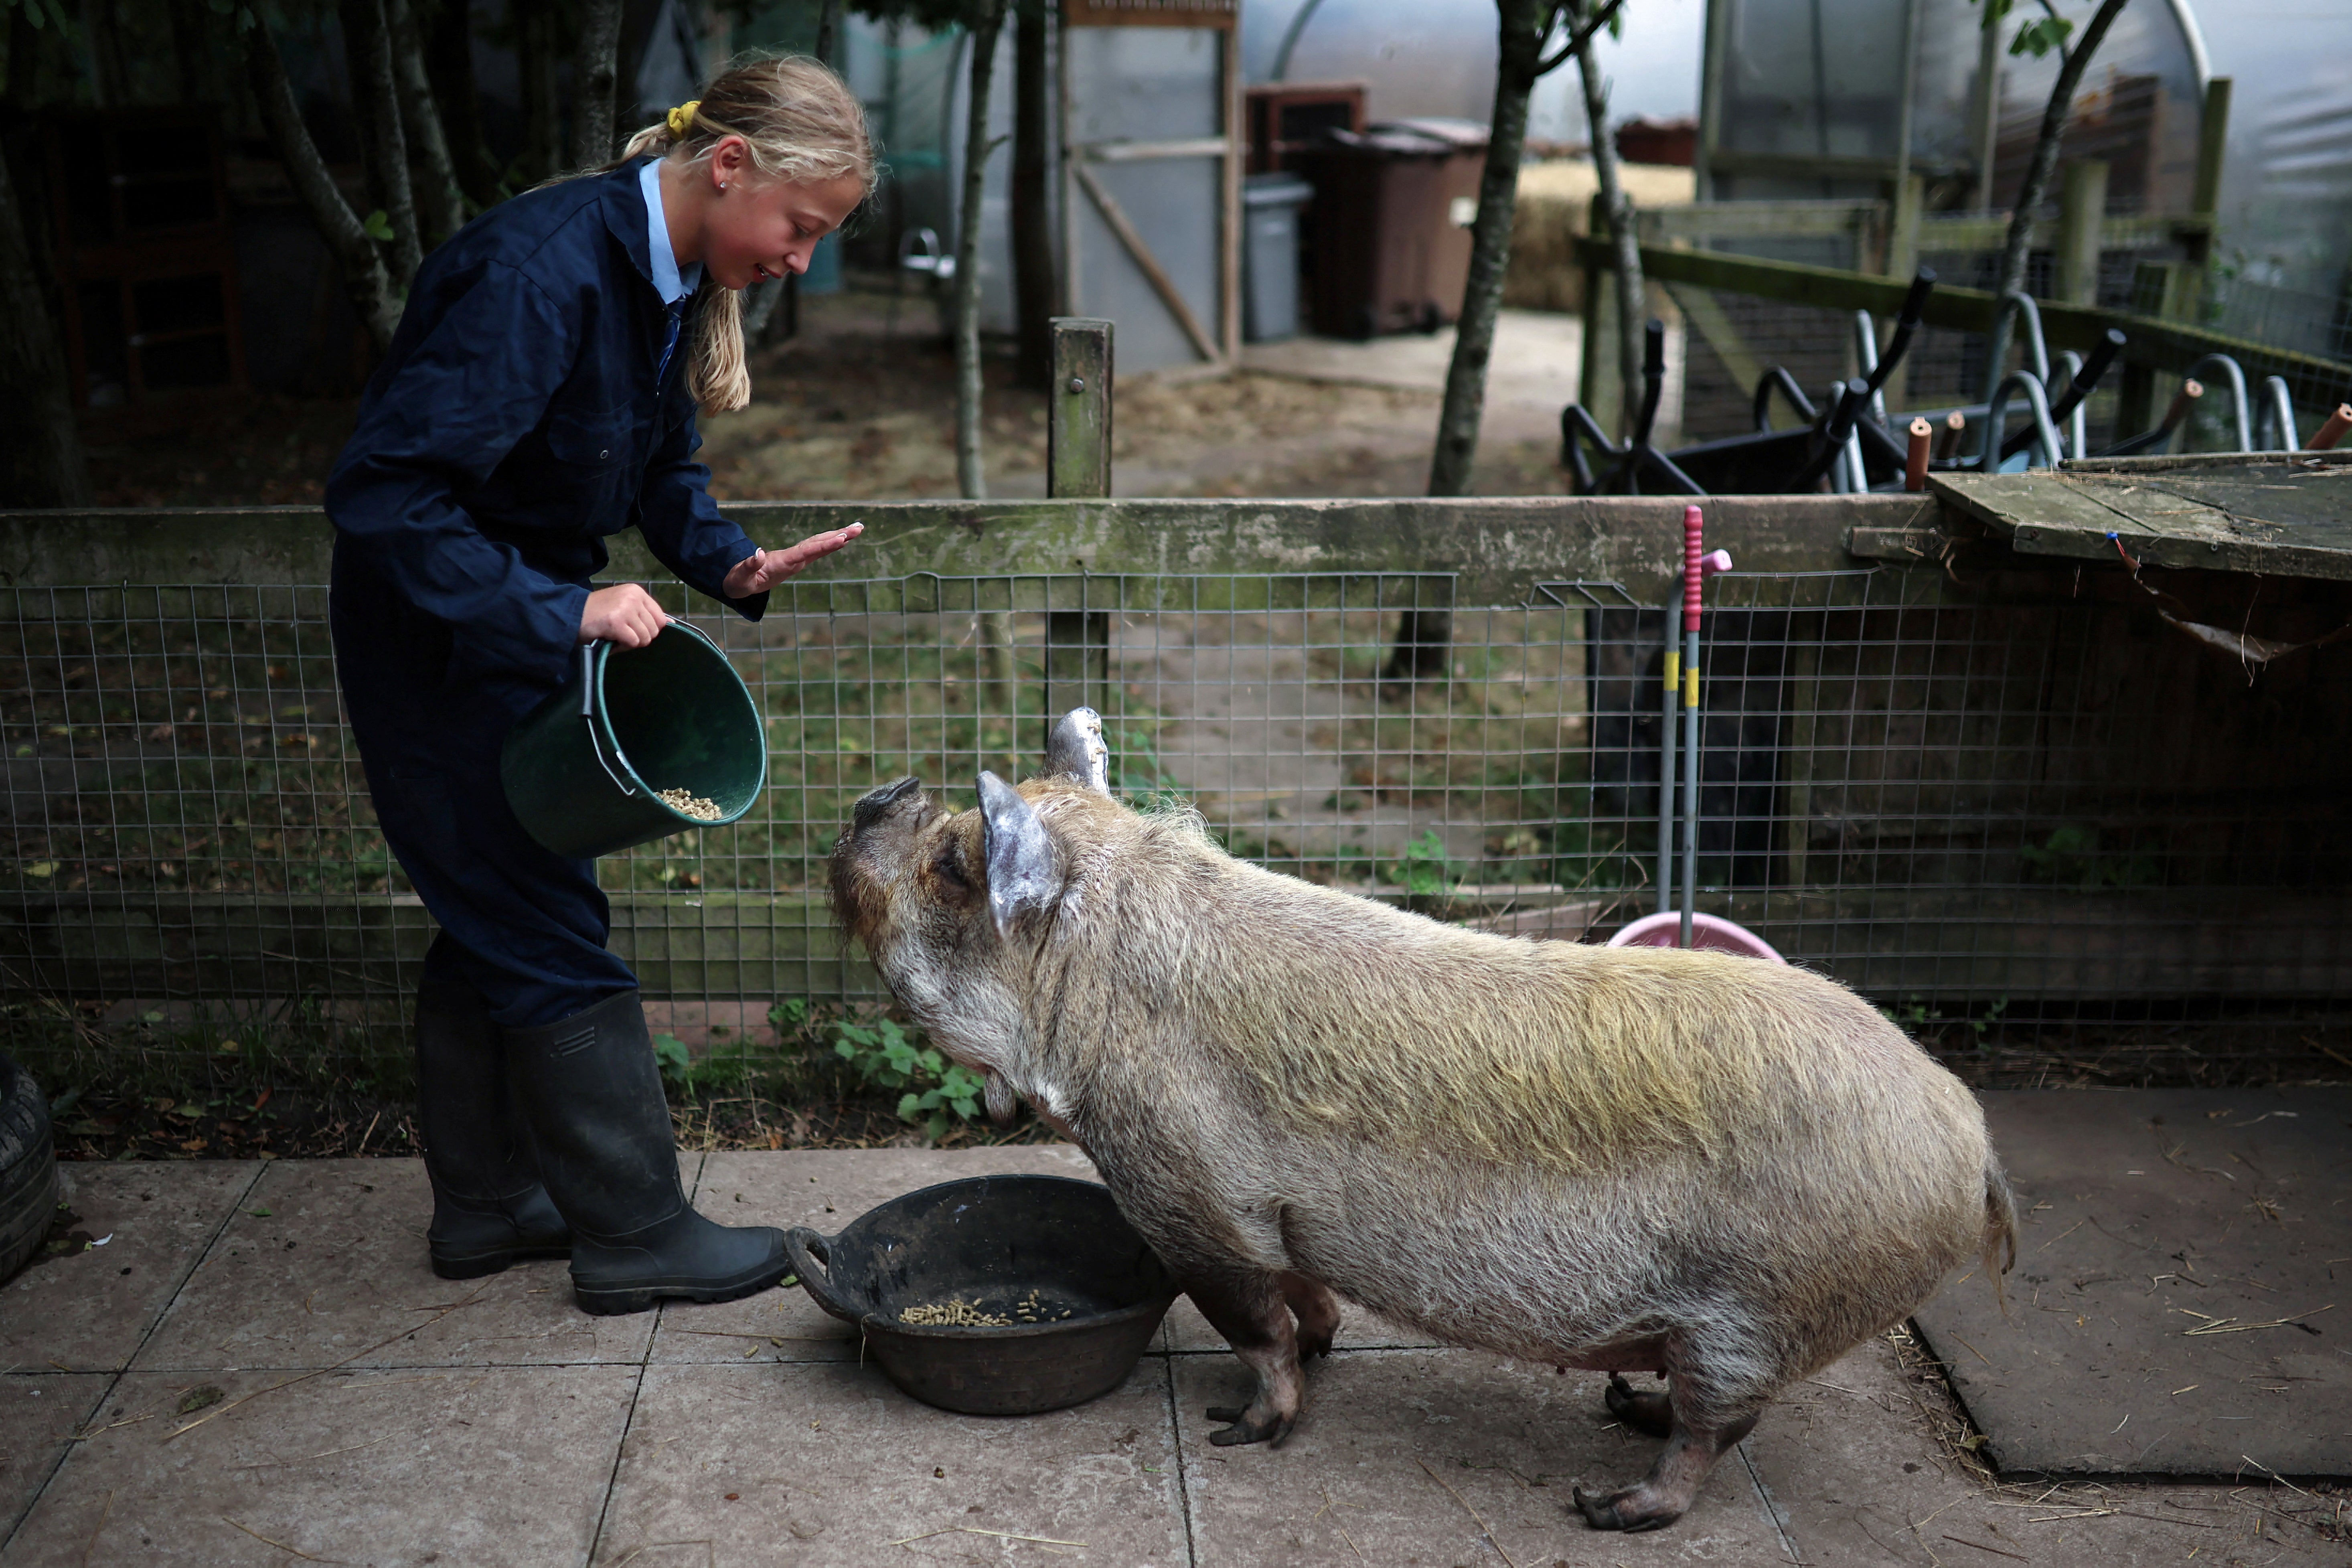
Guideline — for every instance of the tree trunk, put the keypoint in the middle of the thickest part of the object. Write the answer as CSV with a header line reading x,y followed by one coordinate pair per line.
x,y
595,74
971,477
1032,217
449,65
24,57
192,52
440,202
828,28
110,74
375,105
543,141
1632,312
41,462
1490,248
364,276
2055,115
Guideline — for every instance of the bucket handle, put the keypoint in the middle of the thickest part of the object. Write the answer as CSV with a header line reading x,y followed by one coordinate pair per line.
x,y
812,1256
588,717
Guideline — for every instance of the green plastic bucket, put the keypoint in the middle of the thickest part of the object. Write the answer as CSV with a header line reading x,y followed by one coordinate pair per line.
x,y
584,768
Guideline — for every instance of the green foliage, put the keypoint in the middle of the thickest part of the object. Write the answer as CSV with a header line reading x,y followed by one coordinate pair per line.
x,y
938,1093
2042,36
1917,1017
2071,858
676,1066
682,1075
43,14
1422,870
378,225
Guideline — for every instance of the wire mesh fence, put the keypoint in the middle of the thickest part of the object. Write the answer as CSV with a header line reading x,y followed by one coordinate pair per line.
x,y
2049,835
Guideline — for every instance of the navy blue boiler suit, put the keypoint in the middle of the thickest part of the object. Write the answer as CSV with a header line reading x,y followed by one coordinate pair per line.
x,y
523,412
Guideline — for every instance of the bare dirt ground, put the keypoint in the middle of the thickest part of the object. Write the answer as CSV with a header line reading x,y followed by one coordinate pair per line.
x,y
860,406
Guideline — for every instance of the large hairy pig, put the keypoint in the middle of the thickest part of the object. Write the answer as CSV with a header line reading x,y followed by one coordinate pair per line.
x,y
1624,1159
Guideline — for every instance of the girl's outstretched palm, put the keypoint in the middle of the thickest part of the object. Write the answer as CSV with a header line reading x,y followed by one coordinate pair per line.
x,y
763,569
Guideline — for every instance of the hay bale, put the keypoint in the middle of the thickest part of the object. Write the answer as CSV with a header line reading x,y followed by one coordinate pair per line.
x,y
1555,209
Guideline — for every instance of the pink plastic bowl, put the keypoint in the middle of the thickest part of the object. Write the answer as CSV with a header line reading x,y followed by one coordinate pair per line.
x,y
1707,931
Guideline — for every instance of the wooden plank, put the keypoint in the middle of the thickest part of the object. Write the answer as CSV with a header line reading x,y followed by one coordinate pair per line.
x,y
1499,548
231,946
1141,254
2007,502
2278,518
2163,345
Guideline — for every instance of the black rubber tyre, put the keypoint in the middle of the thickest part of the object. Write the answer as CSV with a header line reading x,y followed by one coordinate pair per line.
x,y
29,1168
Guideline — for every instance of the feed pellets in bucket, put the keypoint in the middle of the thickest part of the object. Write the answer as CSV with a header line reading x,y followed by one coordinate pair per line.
x,y
643,743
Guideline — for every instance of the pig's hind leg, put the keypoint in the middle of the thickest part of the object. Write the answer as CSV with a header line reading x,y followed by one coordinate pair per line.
x,y
1714,1392
1252,1314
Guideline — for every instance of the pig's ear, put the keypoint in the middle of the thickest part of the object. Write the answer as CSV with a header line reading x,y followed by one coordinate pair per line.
x,y
1023,867
1076,751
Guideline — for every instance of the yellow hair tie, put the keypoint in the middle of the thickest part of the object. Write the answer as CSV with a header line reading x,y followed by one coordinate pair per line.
x,y
682,118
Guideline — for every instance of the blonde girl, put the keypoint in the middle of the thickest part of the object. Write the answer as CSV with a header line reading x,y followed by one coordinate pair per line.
x,y
540,395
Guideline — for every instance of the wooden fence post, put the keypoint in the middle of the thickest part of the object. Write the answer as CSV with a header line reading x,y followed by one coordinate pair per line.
x,y
1077,466
2082,208
1077,419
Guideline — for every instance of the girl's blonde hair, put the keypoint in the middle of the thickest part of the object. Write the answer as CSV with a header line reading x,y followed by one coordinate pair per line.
x,y
802,124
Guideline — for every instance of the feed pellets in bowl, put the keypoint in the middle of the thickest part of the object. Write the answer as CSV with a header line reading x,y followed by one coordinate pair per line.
x,y
685,802
992,1295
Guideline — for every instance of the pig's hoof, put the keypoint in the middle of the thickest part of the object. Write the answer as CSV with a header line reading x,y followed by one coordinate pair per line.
x,y
1620,1511
1244,1429
1311,1345
1646,1411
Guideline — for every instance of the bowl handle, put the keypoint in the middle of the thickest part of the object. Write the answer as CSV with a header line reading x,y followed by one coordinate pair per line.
x,y
812,1257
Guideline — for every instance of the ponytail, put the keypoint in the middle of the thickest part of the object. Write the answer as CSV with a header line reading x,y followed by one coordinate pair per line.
x,y
801,124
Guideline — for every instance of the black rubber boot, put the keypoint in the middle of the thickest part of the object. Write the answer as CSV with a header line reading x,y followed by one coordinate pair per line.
x,y
592,1098
489,1206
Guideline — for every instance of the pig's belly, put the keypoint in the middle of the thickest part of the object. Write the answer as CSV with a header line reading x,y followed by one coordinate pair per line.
x,y
1591,1272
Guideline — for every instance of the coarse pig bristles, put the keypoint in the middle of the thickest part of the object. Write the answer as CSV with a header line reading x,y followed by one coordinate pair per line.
x,y
1566,1054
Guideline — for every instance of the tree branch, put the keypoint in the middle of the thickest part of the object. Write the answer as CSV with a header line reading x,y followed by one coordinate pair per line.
x,y
1580,37
364,276
972,477
442,204
2055,115
376,106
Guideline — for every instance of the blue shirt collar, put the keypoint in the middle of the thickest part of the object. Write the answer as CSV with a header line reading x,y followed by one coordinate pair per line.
x,y
672,285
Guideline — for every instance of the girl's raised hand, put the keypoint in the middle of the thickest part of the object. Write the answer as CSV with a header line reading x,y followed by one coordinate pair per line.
x,y
764,569
624,614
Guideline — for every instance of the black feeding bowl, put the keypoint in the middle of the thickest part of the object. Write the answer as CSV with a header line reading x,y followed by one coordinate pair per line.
x,y
1083,1291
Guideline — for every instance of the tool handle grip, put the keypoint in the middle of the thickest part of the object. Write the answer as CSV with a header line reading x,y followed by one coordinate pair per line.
x,y
1693,528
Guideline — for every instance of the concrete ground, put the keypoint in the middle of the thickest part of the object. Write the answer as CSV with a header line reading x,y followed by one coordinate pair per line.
x,y
257,1367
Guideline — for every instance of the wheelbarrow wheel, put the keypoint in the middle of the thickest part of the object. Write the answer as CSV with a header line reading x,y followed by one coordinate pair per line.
x,y
29,1168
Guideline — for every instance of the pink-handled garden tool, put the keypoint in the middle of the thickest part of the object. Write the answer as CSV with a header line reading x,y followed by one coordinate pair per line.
x,y
1687,927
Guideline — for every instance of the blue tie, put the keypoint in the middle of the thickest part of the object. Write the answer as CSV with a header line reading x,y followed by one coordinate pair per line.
x,y
676,312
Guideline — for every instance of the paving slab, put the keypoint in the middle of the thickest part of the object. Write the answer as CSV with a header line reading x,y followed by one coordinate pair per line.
x,y
823,1189
2182,1302
90,1311
324,1261
1852,1463
39,1413
482,1468
827,1463
1439,1458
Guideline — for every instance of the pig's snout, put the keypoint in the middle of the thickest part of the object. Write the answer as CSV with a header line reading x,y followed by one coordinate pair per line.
x,y
876,804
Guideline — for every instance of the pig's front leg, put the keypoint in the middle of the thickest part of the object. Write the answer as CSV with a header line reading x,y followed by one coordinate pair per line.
x,y
1316,1309
1251,1312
